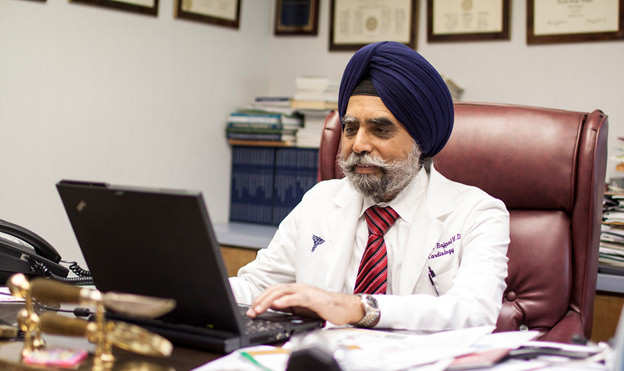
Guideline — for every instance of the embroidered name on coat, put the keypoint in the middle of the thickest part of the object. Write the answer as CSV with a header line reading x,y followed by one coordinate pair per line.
x,y
445,247
316,240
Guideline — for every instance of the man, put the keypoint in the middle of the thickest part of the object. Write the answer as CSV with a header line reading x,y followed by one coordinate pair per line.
x,y
431,253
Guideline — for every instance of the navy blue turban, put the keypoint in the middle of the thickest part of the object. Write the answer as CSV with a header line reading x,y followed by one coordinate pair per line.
x,y
408,86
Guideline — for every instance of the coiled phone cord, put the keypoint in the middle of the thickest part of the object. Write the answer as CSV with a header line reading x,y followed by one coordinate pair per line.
x,y
84,277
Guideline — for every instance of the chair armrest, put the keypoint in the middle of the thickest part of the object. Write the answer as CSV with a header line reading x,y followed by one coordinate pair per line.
x,y
567,329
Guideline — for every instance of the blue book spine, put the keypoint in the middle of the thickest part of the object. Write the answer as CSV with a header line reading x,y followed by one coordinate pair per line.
x,y
260,136
256,125
251,196
295,173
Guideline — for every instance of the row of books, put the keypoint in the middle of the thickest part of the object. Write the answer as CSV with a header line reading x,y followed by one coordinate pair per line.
x,y
611,250
285,121
268,182
303,128
255,124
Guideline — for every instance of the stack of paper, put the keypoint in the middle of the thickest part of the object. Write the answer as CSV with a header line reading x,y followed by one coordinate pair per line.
x,y
611,251
315,92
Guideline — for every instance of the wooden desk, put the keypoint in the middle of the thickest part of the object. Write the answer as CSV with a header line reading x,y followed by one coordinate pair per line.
x,y
182,359
240,242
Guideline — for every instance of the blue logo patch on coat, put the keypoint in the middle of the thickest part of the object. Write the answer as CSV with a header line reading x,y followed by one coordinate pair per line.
x,y
317,241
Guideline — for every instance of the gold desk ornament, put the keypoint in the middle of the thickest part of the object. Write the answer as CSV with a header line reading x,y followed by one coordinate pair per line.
x,y
120,334
48,291
27,318
104,334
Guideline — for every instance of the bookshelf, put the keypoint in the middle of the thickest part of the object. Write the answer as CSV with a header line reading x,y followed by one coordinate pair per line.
x,y
269,181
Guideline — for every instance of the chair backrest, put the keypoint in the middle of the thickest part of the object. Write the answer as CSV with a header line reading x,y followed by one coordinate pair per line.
x,y
548,167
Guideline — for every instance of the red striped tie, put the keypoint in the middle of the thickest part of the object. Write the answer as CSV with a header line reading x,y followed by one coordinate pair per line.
x,y
372,275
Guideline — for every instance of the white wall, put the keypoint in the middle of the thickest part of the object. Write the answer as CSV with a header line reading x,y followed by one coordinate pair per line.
x,y
98,94
578,76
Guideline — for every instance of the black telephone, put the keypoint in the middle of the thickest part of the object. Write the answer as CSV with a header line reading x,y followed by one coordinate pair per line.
x,y
22,251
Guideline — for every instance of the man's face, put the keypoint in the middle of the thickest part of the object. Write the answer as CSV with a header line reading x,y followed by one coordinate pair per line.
x,y
378,155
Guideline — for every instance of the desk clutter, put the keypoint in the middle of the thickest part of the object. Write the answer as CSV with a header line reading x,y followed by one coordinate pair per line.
x,y
103,333
347,348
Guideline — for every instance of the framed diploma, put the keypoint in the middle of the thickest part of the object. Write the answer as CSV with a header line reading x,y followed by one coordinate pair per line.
x,y
467,20
561,21
149,7
355,23
296,17
219,12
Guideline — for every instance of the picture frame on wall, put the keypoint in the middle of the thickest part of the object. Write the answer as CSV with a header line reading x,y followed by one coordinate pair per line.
x,y
296,17
147,7
467,20
556,21
356,23
224,13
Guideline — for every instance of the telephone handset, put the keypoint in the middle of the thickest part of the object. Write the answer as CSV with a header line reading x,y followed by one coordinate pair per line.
x,y
22,251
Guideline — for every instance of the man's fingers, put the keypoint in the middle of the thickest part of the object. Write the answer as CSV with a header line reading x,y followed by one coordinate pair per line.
x,y
267,299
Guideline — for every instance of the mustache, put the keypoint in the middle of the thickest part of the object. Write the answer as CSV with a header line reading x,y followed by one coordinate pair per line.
x,y
365,159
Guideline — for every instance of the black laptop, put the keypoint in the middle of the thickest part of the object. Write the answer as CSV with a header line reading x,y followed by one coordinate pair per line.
x,y
160,242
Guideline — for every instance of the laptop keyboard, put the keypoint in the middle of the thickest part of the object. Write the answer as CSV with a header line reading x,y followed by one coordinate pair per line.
x,y
267,322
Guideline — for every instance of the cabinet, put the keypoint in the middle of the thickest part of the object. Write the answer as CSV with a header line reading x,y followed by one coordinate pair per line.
x,y
240,242
607,306
236,257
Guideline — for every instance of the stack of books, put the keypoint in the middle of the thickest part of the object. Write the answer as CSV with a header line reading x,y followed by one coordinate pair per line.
x,y
256,126
310,135
315,93
275,104
611,250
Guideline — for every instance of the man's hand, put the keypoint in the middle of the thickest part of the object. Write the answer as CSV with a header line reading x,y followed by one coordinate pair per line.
x,y
299,298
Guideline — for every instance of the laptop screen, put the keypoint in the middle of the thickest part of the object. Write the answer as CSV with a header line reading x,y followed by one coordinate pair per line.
x,y
153,242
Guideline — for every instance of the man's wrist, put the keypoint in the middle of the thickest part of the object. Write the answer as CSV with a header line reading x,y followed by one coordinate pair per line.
x,y
371,311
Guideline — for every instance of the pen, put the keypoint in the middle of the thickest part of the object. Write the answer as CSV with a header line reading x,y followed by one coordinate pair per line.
x,y
431,275
251,359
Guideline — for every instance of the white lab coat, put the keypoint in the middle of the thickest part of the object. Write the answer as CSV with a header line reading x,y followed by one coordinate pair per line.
x,y
459,231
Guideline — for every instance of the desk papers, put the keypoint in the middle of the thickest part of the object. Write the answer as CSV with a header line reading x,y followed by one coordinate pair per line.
x,y
361,349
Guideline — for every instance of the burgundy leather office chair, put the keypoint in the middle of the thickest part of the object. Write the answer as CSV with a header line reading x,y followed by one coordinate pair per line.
x,y
548,167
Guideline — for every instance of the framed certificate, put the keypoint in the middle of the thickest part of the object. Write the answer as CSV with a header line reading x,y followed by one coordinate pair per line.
x,y
296,17
356,23
219,12
467,20
558,21
149,7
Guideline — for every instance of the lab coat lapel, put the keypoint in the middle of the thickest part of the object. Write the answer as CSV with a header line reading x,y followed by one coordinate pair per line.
x,y
342,223
425,230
